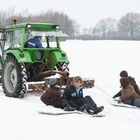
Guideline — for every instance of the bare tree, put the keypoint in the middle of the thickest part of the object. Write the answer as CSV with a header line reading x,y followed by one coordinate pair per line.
x,y
111,25
9,14
2,18
105,26
129,24
76,27
101,27
66,24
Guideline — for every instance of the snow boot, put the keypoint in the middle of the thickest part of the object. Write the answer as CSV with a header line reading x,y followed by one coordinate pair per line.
x,y
98,109
69,108
95,110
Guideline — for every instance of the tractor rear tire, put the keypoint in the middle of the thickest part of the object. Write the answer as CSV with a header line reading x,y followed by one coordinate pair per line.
x,y
14,78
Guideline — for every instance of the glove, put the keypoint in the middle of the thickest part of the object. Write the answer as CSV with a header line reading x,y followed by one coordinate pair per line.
x,y
118,100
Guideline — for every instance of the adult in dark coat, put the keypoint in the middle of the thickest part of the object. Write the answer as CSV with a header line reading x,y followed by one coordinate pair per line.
x,y
74,94
34,42
132,81
128,93
52,96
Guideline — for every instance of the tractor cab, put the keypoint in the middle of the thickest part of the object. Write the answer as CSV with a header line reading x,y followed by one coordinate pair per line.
x,y
50,39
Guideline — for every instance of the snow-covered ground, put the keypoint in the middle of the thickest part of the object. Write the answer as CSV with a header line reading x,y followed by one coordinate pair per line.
x,y
103,60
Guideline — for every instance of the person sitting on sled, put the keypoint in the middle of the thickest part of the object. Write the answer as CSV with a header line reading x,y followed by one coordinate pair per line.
x,y
74,94
52,96
128,93
124,73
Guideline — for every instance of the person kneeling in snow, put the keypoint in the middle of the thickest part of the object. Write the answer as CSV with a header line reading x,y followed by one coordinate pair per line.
x,y
74,94
128,93
52,96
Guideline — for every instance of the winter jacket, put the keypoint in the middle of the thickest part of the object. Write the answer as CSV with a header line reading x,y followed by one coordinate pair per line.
x,y
51,95
73,94
129,93
33,43
134,84
75,98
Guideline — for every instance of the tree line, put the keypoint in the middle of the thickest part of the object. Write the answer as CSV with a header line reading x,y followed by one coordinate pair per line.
x,y
68,25
127,27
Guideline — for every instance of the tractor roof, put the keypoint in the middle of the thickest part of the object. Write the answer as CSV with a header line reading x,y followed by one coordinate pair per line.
x,y
34,26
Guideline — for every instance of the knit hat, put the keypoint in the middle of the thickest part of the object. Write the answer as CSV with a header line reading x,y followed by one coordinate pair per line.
x,y
52,81
123,73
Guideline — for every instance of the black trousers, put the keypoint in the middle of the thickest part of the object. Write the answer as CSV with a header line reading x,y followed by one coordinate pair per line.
x,y
89,102
60,103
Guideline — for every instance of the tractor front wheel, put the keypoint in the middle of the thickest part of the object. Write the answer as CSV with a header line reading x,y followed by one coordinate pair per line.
x,y
14,78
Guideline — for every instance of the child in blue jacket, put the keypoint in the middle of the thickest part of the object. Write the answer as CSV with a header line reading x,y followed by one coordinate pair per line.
x,y
74,95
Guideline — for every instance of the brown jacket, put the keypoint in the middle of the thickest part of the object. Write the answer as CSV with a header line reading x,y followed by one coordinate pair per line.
x,y
128,93
51,95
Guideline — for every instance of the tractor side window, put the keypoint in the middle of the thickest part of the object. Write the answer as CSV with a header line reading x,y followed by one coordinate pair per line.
x,y
18,38
1,38
9,40
51,42
1,43
1,34
27,36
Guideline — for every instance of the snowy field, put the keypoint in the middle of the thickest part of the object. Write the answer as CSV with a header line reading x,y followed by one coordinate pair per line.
x,y
103,60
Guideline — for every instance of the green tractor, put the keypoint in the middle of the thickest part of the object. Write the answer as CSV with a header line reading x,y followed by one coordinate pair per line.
x,y
19,64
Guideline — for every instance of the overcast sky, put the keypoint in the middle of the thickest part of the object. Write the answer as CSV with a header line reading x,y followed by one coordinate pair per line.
x,y
86,12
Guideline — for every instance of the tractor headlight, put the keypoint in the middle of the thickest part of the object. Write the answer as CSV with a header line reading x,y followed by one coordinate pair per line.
x,y
29,26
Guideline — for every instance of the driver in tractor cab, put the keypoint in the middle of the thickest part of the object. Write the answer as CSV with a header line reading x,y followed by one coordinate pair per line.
x,y
34,42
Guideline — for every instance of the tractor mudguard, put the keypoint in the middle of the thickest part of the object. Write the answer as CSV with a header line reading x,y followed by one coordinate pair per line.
x,y
20,56
59,56
56,57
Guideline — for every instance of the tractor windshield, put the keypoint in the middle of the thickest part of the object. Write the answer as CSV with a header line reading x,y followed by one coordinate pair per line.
x,y
49,39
